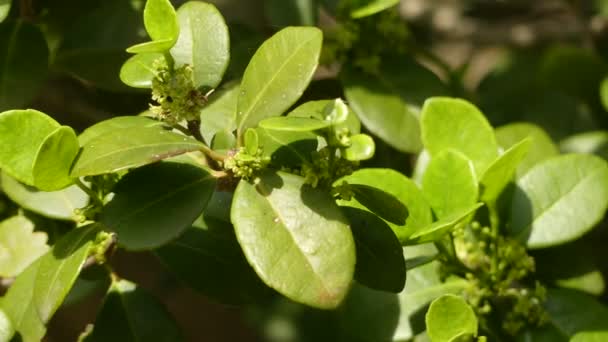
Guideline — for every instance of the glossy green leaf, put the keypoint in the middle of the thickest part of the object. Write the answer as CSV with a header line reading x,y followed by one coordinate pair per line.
x,y
251,141
59,269
19,306
573,312
294,124
502,170
291,13
203,43
559,200
438,229
131,147
130,314
295,238
604,92
5,8
51,168
591,336
317,110
107,126
380,203
541,146
383,112
22,132
449,318
139,70
162,26
591,142
362,147
19,245
400,187
208,258
58,205
380,264
155,204
6,327
220,113
24,61
449,183
287,148
364,8
455,123
223,141
278,74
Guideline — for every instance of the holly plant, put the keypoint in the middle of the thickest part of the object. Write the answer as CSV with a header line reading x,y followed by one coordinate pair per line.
x,y
252,196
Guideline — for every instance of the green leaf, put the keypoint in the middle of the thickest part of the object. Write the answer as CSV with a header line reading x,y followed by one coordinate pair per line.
x,y
364,8
251,141
59,269
155,204
590,142
455,123
380,264
203,43
590,336
130,314
502,170
380,203
208,258
19,245
449,318
223,141
362,147
438,229
162,26
22,132
294,124
401,188
51,169
383,112
24,61
139,70
277,75
287,148
291,13
449,183
5,8
107,126
559,200
19,306
131,147
604,92
295,238
573,312
317,110
219,115
58,205
541,146
6,327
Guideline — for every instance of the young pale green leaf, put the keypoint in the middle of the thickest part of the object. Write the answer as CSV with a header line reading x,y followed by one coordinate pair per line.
x,y
317,110
58,205
438,229
22,132
449,183
223,141
59,268
287,148
541,146
291,13
449,318
6,327
155,204
364,8
458,124
24,63
203,43
131,147
502,170
208,258
591,336
139,70
294,124
130,314
589,142
277,75
362,147
115,123
380,264
573,312
296,238
251,141
559,200
162,26
51,168
19,306
5,8
220,113
19,245
401,188
382,111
